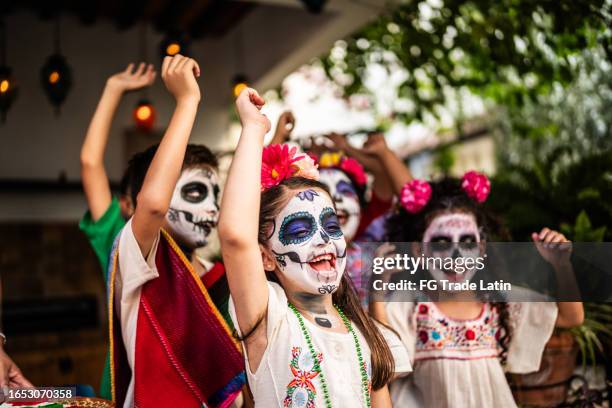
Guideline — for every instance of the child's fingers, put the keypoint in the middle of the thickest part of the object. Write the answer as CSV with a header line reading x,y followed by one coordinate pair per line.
x,y
196,68
140,70
165,65
543,233
535,236
129,68
256,99
175,62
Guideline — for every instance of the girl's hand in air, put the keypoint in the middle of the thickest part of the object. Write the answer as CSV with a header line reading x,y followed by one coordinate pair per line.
x,y
131,80
553,246
179,74
248,105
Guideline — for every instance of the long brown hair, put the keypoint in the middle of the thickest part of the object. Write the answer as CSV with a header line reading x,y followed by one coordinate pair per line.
x,y
272,202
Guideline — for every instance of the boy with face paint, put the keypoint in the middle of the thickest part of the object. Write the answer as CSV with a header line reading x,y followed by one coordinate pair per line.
x,y
461,349
167,335
106,215
307,342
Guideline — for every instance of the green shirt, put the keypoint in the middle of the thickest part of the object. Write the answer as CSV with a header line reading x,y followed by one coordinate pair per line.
x,y
101,235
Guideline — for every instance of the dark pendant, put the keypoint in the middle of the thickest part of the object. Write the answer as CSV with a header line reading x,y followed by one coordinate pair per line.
x,y
323,322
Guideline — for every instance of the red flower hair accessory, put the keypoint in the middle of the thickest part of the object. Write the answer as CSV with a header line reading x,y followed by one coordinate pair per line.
x,y
476,185
280,162
415,195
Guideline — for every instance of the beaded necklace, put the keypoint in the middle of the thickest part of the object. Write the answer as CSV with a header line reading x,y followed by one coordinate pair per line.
x,y
317,367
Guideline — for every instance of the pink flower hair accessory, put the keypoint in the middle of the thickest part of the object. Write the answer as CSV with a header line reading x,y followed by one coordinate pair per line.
x,y
355,170
476,185
415,195
280,162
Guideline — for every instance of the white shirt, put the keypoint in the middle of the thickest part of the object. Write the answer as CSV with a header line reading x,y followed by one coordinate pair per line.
x,y
285,376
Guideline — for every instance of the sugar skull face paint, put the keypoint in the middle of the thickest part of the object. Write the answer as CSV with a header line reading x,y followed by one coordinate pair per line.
x,y
454,235
194,208
347,201
308,244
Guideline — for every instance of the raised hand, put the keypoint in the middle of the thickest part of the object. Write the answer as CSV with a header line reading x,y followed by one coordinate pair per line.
x,y
131,80
284,127
10,374
375,144
338,140
248,105
552,245
179,74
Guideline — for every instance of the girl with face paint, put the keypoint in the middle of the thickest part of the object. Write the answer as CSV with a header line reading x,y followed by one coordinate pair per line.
x,y
346,180
306,340
460,349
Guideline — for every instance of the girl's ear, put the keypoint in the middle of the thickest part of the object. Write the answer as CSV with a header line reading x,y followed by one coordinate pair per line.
x,y
267,258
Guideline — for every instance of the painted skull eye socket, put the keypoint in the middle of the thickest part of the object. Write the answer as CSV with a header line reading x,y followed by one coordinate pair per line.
x,y
297,228
194,192
346,189
440,243
468,242
329,222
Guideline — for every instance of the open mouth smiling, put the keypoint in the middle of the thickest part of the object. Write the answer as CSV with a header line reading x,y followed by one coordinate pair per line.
x,y
324,264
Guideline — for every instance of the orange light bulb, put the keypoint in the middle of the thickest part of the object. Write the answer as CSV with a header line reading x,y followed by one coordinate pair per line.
x,y
143,112
173,49
4,85
239,87
54,77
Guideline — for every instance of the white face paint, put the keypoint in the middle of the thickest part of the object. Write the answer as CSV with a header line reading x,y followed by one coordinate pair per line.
x,y
194,208
347,201
308,243
454,235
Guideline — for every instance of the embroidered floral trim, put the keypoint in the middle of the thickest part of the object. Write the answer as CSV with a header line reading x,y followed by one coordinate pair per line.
x,y
301,391
437,336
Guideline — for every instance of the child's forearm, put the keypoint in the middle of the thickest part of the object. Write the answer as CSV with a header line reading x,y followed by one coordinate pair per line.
x,y
396,170
240,205
163,173
571,314
93,174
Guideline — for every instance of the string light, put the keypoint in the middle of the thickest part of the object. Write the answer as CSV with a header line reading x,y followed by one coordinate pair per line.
x,y
174,44
54,77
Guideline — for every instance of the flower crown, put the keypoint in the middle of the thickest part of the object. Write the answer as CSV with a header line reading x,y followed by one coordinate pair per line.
x,y
280,162
416,194
338,160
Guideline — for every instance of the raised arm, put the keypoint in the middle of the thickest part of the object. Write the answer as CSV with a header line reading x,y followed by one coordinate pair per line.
x,y
93,173
382,183
179,74
556,249
396,170
239,217
284,127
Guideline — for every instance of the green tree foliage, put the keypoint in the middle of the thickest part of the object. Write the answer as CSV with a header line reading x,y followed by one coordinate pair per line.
x,y
508,51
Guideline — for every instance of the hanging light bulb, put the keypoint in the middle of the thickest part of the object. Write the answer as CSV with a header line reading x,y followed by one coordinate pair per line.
x,y
144,115
239,83
8,84
8,91
174,44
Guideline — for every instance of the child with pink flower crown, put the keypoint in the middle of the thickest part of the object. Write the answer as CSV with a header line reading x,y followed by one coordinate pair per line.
x,y
306,340
461,349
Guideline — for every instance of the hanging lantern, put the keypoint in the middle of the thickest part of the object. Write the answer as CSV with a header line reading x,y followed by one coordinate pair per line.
x,y
144,115
172,45
8,91
56,79
238,84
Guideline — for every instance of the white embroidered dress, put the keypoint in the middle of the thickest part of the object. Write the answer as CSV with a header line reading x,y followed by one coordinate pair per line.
x,y
455,362
286,376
